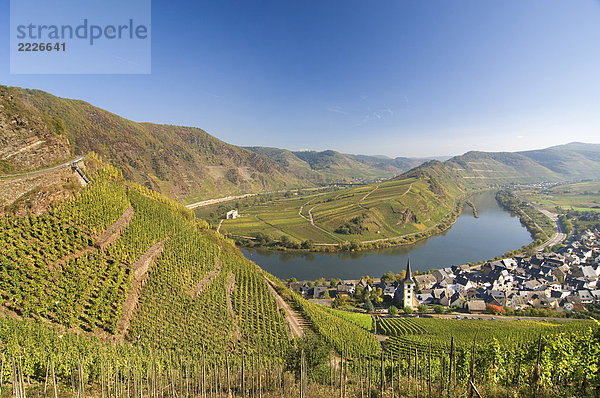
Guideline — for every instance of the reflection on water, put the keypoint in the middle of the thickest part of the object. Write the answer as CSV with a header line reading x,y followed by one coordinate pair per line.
x,y
469,240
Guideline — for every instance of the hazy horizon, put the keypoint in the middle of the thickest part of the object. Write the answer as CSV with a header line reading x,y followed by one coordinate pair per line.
x,y
393,78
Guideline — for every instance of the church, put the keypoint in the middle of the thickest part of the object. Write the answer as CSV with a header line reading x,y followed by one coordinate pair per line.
x,y
405,293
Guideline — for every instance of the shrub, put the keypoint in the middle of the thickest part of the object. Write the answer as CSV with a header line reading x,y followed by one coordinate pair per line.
x,y
494,309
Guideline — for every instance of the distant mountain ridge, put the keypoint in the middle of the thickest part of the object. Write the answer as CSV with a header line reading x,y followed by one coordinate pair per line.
x,y
332,166
570,162
575,160
38,129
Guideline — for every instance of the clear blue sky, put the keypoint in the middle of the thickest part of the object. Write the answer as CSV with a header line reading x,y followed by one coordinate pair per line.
x,y
393,77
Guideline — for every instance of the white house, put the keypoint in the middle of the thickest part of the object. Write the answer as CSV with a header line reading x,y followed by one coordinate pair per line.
x,y
232,214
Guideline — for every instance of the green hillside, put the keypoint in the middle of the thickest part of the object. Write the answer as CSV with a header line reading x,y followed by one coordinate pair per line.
x,y
414,205
120,291
574,161
419,203
112,289
571,162
120,284
478,169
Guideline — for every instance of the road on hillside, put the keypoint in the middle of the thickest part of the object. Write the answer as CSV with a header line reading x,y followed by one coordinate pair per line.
x,y
559,236
209,202
218,200
43,171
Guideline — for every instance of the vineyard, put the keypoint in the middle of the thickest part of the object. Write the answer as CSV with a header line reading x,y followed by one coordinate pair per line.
x,y
49,266
342,335
397,327
365,321
43,360
52,268
343,331
408,333
498,351
165,307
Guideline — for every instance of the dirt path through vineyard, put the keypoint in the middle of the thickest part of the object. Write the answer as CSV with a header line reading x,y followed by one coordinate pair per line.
x,y
113,232
296,322
140,268
207,280
230,288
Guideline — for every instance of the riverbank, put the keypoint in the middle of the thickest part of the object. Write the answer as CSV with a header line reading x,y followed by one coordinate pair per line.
x,y
543,226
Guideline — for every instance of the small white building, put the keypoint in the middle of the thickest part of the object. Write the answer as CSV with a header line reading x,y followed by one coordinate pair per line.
x,y
232,214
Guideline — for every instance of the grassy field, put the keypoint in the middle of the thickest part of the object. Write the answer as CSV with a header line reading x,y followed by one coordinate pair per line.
x,y
379,211
581,196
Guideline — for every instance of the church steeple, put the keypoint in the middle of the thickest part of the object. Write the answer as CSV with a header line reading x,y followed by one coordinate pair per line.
x,y
405,293
408,276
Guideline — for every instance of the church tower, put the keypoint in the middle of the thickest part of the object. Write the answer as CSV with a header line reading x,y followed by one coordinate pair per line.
x,y
408,288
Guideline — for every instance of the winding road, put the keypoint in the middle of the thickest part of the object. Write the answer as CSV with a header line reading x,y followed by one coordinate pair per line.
x,y
558,237
43,171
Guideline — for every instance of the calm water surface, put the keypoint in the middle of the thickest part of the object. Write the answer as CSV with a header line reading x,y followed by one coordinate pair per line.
x,y
469,240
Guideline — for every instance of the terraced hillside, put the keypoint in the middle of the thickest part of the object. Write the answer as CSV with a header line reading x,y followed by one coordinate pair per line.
x,y
120,288
407,207
123,262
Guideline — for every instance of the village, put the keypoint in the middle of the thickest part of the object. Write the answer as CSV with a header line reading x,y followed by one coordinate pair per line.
x,y
564,281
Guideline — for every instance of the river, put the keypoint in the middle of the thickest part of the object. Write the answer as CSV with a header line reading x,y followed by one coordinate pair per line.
x,y
469,240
